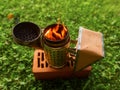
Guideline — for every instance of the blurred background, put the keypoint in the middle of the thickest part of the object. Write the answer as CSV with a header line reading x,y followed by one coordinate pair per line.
x,y
97,15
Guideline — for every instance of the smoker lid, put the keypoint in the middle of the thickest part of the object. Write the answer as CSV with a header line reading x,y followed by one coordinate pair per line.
x,y
89,48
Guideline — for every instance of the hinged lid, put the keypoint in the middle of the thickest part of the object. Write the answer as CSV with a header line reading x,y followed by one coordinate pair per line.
x,y
89,48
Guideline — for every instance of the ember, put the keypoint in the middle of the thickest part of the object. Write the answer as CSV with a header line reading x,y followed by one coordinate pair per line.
x,y
58,32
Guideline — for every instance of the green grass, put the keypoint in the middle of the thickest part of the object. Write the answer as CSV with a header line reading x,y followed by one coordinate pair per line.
x,y
97,15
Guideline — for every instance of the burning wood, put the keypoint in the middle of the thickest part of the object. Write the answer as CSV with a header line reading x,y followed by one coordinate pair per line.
x,y
58,32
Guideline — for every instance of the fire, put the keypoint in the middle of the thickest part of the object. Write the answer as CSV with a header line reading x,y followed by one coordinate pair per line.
x,y
58,32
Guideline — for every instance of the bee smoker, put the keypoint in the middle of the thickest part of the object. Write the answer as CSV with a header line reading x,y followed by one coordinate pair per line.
x,y
56,51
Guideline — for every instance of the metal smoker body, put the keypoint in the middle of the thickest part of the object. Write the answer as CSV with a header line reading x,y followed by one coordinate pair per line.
x,y
56,52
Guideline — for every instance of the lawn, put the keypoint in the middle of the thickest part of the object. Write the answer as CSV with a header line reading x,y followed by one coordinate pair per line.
x,y
97,15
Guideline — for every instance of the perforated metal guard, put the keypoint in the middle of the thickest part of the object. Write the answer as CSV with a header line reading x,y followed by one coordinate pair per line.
x,y
42,70
26,34
43,63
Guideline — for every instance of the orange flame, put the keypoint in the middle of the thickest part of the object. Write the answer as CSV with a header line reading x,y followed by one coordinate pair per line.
x,y
56,33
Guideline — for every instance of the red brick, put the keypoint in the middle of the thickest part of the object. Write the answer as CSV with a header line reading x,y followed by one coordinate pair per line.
x,y
42,70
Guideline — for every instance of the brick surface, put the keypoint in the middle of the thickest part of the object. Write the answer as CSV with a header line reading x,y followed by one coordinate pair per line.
x,y
42,70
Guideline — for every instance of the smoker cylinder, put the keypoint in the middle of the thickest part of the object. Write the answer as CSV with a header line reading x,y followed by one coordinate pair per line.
x,y
56,51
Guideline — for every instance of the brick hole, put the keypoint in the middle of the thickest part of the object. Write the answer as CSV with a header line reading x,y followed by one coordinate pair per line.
x,y
39,54
71,63
42,56
42,65
38,62
46,63
68,64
